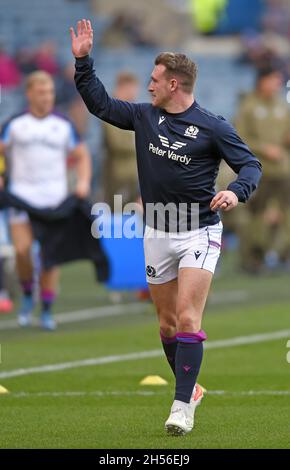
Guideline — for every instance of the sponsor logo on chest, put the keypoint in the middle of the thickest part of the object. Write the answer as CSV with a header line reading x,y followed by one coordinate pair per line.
x,y
169,153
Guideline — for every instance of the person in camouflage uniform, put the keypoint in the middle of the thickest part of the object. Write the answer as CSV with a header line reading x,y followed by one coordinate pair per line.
x,y
120,167
263,121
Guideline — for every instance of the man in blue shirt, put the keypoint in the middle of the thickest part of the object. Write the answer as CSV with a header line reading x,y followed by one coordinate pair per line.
x,y
179,146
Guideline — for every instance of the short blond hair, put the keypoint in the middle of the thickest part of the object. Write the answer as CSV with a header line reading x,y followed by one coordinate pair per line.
x,y
39,76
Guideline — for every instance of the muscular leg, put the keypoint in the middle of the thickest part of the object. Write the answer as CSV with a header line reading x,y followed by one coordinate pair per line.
x,y
164,297
22,238
180,306
193,288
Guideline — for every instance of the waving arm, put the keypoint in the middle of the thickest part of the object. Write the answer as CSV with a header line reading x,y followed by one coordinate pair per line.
x,y
82,42
117,112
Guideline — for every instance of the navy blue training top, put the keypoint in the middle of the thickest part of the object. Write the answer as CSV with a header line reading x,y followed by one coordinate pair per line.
x,y
178,155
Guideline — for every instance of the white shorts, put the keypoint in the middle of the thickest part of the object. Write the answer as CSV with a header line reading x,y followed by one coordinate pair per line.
x,y
165,253
17,216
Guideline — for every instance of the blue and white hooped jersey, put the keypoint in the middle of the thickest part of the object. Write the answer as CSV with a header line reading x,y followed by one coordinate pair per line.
x,y
37,150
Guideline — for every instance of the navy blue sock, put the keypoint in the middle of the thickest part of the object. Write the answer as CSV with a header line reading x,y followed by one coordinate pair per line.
x,y
169,346
27,288
47,298
188,361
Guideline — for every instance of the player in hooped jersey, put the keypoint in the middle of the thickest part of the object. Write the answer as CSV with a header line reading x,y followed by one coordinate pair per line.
x,y
179,147
37,143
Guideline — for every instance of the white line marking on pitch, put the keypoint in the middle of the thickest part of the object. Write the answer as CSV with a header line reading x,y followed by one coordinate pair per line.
x,y
144,393
87,314
132,308
224,343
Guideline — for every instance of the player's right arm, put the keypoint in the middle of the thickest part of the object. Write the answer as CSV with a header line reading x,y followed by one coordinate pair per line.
x,y
119,113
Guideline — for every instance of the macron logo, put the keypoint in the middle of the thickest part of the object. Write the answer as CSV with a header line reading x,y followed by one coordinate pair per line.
x,y
161,119
165,143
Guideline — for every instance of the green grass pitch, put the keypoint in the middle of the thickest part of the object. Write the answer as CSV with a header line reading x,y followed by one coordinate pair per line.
x,y
103,405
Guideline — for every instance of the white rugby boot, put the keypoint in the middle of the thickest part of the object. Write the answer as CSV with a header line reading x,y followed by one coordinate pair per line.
x,y
181,418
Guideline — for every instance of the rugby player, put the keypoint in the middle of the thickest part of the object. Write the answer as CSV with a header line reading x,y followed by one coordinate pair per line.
x,y
179,147
37,143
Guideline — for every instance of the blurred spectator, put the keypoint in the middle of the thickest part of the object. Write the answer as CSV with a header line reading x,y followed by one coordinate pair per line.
x,y
270,46
126,29
69,100
120,169
45,58
262,51
276,18
233,221
263,121
10,75
256,51
25,60
66,91
42,58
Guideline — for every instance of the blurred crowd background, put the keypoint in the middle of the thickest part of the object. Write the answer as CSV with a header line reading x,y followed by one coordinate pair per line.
x,y
242,49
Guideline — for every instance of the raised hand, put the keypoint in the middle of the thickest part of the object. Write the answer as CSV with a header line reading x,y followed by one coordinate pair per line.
x,y
82,42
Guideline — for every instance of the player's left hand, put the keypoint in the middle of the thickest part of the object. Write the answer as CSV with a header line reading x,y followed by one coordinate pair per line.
x,y
225,200
82,189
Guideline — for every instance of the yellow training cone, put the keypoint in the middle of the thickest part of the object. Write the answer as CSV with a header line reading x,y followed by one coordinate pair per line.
x,y
153,380
3,390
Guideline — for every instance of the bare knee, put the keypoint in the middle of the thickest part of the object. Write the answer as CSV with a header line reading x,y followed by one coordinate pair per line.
x,y
168,331
167,324
189,320
22,239
23,251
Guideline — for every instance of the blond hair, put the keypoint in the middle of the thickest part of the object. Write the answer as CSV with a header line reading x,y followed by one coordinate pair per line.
x,y
39,76
179,65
